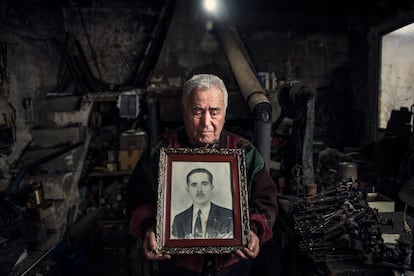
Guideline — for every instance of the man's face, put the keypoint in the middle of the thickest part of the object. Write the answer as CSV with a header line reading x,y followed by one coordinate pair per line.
x,y
200,188
204,116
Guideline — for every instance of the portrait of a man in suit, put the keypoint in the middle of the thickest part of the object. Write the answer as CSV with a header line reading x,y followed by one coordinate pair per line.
x,y
203,219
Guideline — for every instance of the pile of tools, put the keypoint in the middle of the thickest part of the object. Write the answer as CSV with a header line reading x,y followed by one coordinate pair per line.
x,y
338,224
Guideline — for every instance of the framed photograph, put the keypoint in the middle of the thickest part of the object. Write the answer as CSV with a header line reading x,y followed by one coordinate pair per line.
x,y
202,201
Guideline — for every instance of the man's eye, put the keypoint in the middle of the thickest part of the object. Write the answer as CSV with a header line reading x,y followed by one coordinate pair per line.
x,y
193,184
206,183
197,111
200,112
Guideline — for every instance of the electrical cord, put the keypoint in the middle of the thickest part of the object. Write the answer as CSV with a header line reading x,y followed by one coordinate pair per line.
x,y
26,36
407,227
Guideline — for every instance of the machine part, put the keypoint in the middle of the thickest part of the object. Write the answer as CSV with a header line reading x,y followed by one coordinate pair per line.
x,y
249,84
152,119
36,196
406,192
297,176
262,130
293,98
307,149
348,170
7,125
6,139
14,186
311,189
297,102
44,255
28,110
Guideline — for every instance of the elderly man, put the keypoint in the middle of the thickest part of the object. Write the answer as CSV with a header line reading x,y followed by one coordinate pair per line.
x,y
204,103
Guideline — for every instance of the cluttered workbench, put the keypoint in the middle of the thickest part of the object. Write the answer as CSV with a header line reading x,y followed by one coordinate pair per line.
x,y
337,232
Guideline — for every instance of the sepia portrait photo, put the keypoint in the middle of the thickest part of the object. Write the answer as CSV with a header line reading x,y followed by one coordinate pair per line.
x,y
201,200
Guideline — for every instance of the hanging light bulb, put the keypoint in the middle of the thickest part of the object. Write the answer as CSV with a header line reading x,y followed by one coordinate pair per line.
x,y
210,5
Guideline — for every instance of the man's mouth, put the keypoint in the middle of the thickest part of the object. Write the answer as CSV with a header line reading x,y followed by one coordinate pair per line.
x,y
206,132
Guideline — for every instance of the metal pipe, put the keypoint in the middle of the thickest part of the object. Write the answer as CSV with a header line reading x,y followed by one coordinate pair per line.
x,y
45,254
14,186
249,84
152,119
262,131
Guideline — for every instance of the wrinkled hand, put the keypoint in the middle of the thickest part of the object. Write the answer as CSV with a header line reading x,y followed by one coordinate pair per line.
x,y
252,249
150,248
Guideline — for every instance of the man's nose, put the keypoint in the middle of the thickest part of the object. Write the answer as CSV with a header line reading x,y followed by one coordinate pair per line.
x,y
206,119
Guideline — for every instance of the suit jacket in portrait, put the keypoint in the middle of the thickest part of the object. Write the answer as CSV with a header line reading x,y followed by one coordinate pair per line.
x,y
219,223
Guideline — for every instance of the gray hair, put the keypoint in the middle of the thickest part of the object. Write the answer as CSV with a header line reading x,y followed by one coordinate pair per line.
x,y
204,81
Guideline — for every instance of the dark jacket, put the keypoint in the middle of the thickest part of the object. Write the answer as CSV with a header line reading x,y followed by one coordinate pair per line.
x,y
219,223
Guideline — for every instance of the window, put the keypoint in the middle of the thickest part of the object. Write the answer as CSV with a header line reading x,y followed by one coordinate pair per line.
x,y
396,79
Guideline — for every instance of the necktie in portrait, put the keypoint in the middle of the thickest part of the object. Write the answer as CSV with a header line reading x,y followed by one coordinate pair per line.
x,y
198,231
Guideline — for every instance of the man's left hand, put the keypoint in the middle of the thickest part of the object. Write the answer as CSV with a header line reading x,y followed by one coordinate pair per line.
x,y
252,249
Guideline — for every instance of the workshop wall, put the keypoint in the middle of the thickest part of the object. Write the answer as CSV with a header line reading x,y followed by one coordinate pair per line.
x,y
31,76
302,46
312,44
111,39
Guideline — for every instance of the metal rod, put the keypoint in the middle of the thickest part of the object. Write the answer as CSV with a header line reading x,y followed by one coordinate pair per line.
x,y
13,187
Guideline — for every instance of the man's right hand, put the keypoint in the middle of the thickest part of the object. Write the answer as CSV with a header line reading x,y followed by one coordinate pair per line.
x,y
150,248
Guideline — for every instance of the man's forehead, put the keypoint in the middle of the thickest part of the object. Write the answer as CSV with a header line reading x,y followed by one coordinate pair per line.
x,y
196,174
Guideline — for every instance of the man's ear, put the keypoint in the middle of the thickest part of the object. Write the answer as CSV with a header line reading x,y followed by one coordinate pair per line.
x,y
186,187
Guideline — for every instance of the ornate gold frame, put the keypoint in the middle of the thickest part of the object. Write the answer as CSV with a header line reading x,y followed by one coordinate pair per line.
x,y
239,194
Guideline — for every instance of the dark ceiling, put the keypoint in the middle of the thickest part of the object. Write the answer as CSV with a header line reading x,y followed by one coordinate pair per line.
x,y
370,8
322,6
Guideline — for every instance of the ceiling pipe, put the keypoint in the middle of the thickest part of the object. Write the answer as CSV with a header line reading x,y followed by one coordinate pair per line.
x,y
249,85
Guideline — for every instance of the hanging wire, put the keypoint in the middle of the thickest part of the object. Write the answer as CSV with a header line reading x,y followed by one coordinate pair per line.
x,y
407,227
26,36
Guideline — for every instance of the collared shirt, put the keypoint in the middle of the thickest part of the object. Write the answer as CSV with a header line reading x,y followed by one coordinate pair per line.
x,y
204,217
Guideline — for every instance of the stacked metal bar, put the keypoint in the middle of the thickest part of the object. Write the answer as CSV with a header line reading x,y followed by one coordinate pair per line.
x,y
337,224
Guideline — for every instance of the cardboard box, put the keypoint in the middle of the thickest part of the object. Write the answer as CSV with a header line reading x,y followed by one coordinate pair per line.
x,y
380,202
112,167
127,159
133,139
